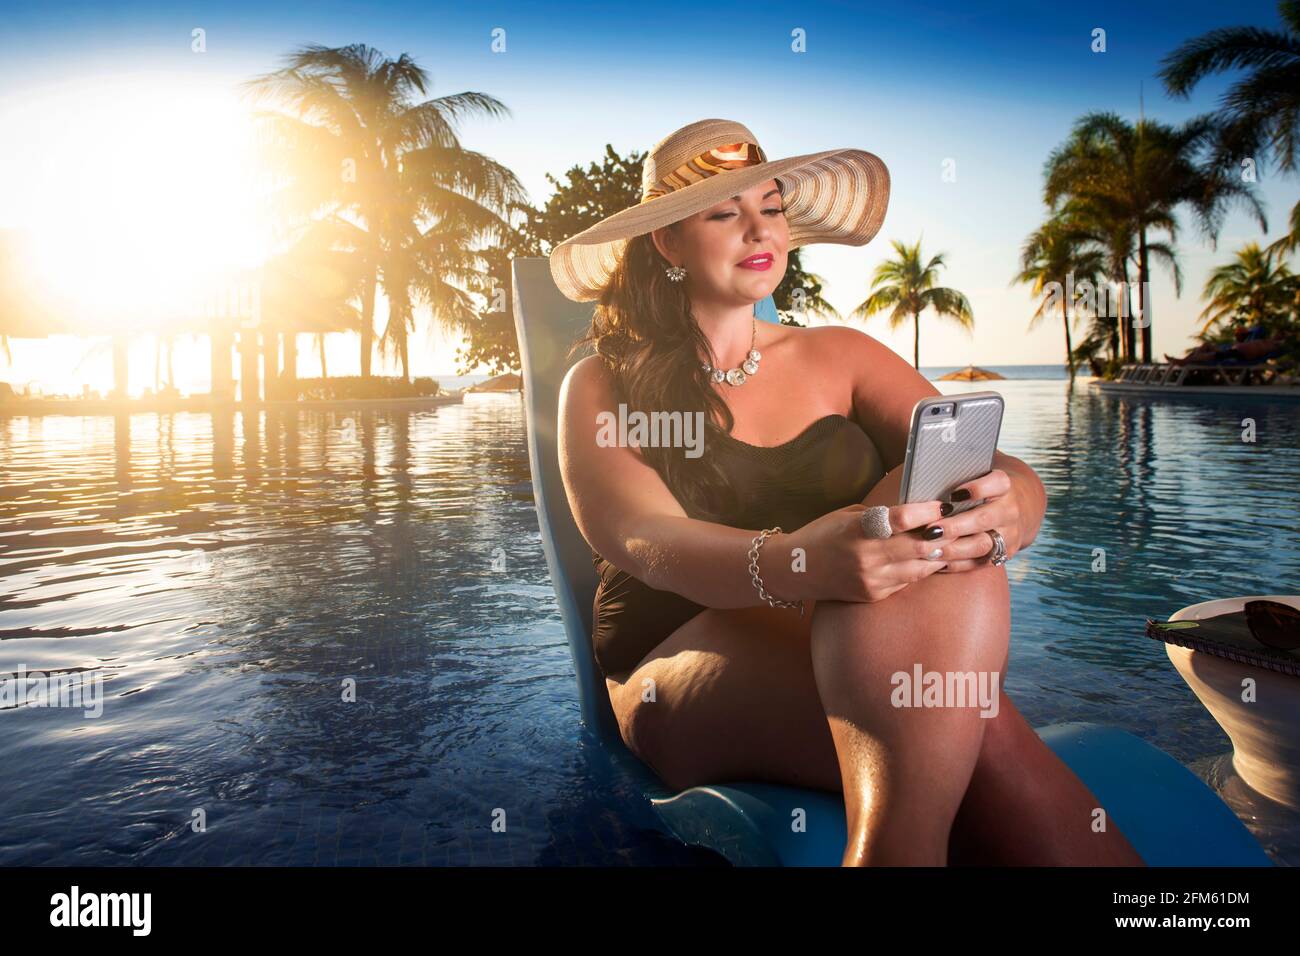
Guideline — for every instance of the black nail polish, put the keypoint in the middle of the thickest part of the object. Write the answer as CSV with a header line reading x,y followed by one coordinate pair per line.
x,y
932,532
961,494
945,508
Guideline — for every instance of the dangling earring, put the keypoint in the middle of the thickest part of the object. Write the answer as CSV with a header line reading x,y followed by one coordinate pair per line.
x,y
675,273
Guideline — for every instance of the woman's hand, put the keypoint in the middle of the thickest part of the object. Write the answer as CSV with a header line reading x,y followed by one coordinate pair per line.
x,y
966,543
843,564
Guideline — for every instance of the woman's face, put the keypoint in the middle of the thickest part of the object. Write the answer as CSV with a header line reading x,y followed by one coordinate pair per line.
x,y
713,244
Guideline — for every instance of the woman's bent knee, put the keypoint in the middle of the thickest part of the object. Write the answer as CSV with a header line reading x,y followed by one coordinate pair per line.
x,y
964,616
654,733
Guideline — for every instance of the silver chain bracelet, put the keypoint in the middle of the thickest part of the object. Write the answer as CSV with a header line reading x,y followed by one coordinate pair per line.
x,y
757,581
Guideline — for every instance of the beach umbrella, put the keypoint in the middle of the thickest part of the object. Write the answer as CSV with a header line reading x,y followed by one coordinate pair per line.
x,y
509,382
970,374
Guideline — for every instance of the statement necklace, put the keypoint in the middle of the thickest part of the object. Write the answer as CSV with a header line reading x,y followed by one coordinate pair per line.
x,y
737,376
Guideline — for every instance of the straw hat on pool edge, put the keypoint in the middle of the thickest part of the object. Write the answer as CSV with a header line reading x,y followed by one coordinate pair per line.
x,y
837,196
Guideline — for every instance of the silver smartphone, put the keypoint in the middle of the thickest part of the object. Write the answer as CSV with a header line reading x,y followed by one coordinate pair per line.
x,y
952,441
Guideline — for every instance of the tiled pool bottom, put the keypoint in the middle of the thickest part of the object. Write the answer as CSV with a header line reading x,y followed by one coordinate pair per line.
x,y
228,583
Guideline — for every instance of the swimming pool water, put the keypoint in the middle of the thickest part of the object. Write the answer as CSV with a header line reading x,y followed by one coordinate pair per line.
x,y
228,577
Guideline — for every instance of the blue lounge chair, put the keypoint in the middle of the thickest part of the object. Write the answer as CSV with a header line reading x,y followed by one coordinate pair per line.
x,y
1169,815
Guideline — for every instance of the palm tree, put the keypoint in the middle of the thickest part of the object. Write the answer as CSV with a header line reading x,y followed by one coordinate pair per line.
x,y
353,143
1055,261
1115,238
907,288
435,268
799,295
1250,290
1290,242
1259,115
1133,176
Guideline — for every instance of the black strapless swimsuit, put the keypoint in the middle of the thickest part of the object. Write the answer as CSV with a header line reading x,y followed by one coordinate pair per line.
x,y
832,463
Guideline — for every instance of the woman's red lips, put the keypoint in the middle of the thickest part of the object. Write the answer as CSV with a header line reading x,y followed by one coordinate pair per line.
x,y
760,262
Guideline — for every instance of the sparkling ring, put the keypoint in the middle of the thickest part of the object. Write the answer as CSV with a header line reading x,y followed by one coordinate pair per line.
x,y
875,522
998,556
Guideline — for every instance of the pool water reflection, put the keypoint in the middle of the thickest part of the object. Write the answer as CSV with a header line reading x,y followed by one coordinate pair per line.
x,y
232,578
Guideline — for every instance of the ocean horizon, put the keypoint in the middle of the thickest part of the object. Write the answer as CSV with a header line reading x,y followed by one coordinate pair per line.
x,y
931,372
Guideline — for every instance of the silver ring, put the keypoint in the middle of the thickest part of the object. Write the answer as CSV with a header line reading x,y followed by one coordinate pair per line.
x,y
998,557
875,522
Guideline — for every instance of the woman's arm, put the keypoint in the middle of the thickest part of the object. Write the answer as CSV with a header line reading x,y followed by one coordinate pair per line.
x,y
631,518
885,390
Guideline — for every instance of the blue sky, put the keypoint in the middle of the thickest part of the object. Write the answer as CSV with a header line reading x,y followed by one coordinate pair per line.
x,y
991,90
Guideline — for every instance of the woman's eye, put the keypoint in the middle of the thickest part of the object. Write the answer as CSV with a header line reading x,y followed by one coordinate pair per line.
x,y
728,215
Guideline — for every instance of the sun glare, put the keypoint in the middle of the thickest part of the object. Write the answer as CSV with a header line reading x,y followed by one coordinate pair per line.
x,y
139,196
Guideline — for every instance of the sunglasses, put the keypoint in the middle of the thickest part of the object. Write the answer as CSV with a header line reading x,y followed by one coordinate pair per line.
x,y
1269,623
1274,624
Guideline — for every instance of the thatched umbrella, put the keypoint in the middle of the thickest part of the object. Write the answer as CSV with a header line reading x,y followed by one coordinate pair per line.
x,y
970,374
307,290
32,310
509,382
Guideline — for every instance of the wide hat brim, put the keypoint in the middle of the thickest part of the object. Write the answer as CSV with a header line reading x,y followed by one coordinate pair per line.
x,y
838,196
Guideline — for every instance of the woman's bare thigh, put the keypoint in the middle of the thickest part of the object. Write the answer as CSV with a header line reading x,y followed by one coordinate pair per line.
x,y
730,695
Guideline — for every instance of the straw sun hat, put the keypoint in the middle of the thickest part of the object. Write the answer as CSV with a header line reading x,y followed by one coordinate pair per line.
x,y
836,196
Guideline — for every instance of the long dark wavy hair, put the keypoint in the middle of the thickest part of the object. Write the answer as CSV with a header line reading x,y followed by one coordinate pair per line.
x,y
643,330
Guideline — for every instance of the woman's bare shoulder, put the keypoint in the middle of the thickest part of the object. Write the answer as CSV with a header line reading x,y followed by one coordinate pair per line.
x,y
588,388
841,347
883,385
838,337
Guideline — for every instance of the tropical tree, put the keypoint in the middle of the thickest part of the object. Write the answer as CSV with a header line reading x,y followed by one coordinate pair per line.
x,y
1133,177
799,295
907,288
352,142
1111,304
1055,262
1289,242
1259,115
1251,290
1109,313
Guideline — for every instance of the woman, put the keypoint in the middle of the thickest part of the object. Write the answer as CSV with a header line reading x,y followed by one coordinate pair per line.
x,y
749,618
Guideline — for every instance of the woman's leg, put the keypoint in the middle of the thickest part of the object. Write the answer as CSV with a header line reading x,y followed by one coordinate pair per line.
x,y
918,780
1025,807
732,695
906,768
729,695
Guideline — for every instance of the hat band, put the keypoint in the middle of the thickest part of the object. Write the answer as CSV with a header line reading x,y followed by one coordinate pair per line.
x,y
709,163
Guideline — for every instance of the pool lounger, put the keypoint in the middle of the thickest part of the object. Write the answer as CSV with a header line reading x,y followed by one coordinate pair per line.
x,y
1169,815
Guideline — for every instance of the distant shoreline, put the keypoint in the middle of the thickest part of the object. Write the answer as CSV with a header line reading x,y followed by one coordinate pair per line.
x,y
202,404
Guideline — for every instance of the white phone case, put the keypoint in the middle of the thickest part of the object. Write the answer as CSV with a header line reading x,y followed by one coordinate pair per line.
x,y
944,451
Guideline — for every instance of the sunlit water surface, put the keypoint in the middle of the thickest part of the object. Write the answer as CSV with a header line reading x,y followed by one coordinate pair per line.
x,y
232,580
